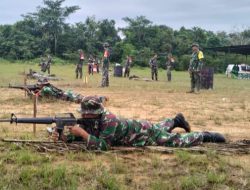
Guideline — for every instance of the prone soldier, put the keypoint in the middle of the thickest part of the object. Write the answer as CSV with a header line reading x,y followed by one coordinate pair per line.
x,y
104,129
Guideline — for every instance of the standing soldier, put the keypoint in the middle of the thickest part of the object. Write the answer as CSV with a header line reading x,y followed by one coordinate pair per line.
x,y
97,64
105,66
154,67
49,61
195,67
127,66
79,64
169,65
42,64
91,65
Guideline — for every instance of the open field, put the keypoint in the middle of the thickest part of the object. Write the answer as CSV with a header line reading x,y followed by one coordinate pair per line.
x,y
225,109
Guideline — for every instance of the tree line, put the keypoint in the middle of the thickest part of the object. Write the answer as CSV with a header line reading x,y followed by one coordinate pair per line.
x,y
46,32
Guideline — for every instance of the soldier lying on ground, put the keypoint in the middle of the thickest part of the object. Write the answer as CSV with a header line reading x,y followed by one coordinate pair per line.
x,y
44,89
104,130
41,76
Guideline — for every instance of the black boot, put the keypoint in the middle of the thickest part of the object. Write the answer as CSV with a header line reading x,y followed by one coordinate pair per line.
x,y
179,121
213,137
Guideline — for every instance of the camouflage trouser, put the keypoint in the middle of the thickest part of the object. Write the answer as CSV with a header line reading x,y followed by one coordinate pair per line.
x,y
105,73
169,75
91,69
127,71
195,81
162,137
78,71
157,134
154,73
48,70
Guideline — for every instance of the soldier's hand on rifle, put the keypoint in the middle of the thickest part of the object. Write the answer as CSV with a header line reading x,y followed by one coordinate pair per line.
x,y
55,136
75,130
78,131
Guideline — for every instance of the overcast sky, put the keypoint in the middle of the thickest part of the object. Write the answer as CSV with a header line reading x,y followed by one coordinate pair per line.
x,y
215,15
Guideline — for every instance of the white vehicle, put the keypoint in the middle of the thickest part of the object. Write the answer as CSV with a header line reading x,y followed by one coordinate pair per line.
x,y
243,68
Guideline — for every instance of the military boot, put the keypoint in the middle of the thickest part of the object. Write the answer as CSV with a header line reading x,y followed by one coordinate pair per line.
x,y
191,91
213,137
179,121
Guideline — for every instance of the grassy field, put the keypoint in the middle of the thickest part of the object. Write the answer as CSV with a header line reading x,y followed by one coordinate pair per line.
x,y
225,109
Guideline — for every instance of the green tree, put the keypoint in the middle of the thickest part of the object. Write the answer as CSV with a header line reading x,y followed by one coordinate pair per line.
x,y
51,18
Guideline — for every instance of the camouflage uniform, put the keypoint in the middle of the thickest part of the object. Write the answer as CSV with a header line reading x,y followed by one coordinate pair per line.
x,y
105,68
110,130
195,67
154,68
49,61
169,66
79,65
43,65
91,66
49,90
127,67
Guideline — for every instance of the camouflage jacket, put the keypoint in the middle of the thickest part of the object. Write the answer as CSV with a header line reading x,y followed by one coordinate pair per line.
x,y
196,62
111,130
128,63
153,63
53,92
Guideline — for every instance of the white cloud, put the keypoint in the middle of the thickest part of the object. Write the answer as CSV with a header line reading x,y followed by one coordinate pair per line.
x,y
214,15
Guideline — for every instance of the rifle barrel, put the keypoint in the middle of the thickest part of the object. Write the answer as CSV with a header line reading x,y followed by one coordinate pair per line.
x,y
4,120
42,120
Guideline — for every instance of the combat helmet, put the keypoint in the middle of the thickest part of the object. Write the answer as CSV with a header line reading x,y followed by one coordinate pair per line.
x,y
195,44
91,105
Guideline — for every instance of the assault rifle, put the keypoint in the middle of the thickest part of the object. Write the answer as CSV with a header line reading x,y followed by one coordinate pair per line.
x,y
62,120
30,89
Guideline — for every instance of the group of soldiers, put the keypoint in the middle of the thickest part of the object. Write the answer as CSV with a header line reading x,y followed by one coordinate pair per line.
x,y
195,67
101,129
94,62
154,67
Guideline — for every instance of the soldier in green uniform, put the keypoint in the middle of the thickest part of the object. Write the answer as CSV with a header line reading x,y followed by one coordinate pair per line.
x,y
169,65
195,67
235,71
49,62
43,64
105,66
127,66
79,65
103,130
154,67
